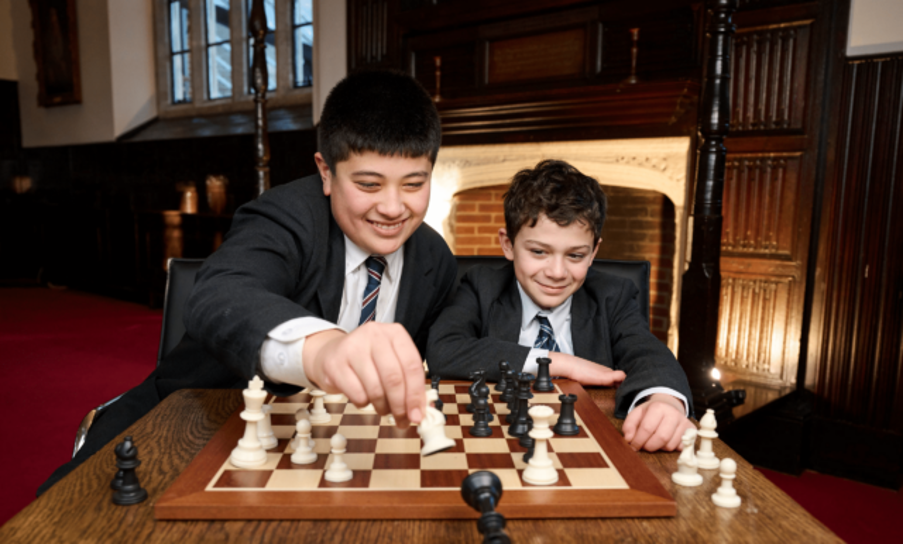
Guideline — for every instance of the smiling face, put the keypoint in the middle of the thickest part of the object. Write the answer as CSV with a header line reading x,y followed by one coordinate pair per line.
x,y
550,260
377,200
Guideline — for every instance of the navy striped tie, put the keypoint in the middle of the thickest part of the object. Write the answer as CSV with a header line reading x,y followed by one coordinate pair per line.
x,y
376,264
546,339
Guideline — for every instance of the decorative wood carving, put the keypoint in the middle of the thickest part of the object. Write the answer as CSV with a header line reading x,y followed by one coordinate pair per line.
x,y
752,319
257,27
369,23
554,54
767,92
760,193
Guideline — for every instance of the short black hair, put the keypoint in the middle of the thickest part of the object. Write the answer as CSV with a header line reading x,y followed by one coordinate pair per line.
x,y
559,191
386,112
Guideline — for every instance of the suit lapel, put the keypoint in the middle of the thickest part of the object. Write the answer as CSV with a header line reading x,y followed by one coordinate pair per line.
x,y
505,314
330,292
416,287
584,329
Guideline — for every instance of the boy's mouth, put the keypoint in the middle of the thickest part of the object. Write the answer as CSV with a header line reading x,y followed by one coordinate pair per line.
x,y
387,227
551,289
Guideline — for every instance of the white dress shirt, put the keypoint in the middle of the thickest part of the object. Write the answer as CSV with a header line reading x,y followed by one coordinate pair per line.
x,y
281,359
560,320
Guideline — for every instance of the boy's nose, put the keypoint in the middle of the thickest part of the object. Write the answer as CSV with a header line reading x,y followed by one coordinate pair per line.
x,y
391,204
556,269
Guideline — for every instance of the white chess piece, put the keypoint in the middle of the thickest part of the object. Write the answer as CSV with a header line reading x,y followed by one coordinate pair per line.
x,y
706,459
265,429
540,470
337,398
687,462
369,409
726,496
249,452
318,412
432,429
391,419
338,471
304,454
302,413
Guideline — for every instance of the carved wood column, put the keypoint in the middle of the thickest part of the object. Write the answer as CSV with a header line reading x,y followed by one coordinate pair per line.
x,y
257,27
700,292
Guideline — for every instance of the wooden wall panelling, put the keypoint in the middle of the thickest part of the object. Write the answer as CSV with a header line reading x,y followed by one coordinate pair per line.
x,y
373,37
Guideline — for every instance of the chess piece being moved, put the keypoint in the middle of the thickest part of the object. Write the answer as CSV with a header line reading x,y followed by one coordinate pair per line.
x,y
130,491
540,470
687,462
249,452
319,415
432,429
338,471
543,383
304,450
482,491
726,496
706,459
265,430
567,425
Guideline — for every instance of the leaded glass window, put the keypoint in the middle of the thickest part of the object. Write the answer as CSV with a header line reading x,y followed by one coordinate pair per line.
x,y
302,43
179,51
219,49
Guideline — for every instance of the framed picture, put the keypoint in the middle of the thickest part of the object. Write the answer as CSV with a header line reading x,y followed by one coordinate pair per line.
x,y
56,52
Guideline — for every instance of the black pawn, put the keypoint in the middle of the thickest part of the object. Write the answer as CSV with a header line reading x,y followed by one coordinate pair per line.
x,y
482,491
504,367
544,382
567,425
521,424
530,447
130,491
482,420
434,384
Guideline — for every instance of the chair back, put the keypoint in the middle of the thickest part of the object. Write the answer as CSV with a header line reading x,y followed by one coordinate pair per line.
x,y
179,282
636,271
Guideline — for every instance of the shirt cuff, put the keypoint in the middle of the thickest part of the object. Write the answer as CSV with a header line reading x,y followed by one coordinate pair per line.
x,y
667,390
281,360
530,364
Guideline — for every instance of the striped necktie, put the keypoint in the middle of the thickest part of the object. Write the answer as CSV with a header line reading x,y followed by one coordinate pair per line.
x,y
376,264
546,339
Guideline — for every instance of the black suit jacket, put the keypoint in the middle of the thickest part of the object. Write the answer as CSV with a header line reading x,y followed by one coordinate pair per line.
x,y
481,327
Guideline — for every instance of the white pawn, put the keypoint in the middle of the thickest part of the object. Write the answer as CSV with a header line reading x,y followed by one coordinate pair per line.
x,y
265,429
303,413
318,412
338,470
726,496
706,459
432,429
540,470
369,409
687,463
336,398
304,454
249,452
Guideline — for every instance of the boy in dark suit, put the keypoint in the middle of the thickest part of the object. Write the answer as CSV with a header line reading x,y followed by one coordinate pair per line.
x,y
549,303
330,281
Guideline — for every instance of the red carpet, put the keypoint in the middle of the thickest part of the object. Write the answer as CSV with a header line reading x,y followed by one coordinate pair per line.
x,y
65,352
61,354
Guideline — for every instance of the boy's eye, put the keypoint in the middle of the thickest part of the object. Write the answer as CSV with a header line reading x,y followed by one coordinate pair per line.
x,y
367,184
537,251
415,184
577,256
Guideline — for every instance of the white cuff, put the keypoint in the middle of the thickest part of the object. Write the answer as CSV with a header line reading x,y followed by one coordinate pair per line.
x,y
281,359
667,390
530,364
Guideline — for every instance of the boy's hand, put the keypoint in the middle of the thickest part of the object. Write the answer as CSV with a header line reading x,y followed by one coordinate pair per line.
x,y
583,371
657,424
376,363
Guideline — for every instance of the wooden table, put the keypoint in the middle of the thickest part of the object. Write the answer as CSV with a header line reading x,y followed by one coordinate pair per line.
x,y
79,508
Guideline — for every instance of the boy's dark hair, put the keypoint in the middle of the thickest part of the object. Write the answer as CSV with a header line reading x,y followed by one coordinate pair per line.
x,y
385,112
559,191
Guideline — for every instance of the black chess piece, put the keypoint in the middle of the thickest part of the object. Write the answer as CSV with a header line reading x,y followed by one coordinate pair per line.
x,y
482,491
434,384
543,384
566,425
504,367
478,377
482,414
116,483
130,491
521,424
530,447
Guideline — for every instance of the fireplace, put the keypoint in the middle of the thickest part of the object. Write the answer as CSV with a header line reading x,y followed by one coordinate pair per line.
x,y
646,180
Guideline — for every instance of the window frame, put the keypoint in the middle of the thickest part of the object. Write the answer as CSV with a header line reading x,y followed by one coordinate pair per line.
x,y
286,94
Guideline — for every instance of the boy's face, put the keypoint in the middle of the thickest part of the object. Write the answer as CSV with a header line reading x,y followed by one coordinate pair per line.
x,y
550,260
378,201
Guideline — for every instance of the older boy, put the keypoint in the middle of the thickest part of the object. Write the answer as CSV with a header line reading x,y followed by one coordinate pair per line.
x,y
330,281
549,303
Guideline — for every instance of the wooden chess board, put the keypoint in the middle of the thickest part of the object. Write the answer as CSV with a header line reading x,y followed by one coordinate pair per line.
x,y
599,474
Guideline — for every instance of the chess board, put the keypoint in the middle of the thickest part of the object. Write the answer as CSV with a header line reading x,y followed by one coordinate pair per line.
x,y
599,475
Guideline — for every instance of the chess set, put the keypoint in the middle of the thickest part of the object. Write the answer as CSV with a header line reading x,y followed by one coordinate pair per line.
x,y
590,472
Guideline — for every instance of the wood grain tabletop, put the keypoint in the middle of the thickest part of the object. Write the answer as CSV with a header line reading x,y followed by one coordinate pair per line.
x,y
79,507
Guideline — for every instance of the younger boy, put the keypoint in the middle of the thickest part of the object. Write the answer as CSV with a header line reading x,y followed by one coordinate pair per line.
x,y
549,303
329,281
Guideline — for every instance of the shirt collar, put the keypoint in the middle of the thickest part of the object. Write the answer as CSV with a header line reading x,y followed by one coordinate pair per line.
x,y
529,310
355,257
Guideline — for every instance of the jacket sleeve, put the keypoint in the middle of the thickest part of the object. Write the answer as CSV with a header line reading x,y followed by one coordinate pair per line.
x,y
458,341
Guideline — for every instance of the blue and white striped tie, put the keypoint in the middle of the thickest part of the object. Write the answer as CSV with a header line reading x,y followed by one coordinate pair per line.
x,y
376,264
546,339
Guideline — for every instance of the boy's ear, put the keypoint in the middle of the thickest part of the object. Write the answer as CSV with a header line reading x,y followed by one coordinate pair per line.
x,y
506,244
325,174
